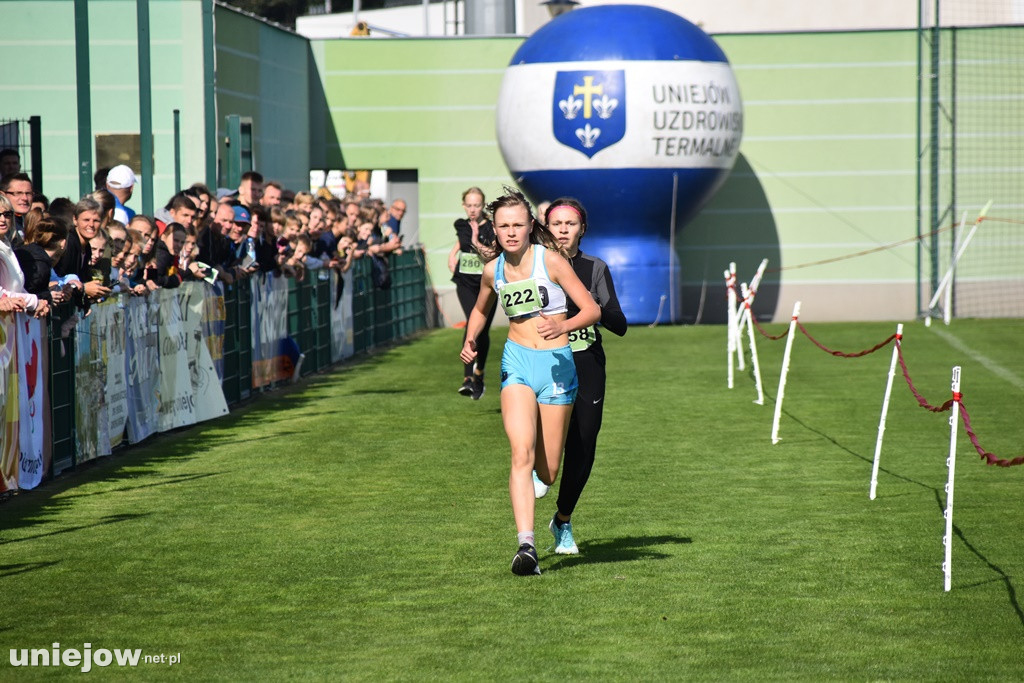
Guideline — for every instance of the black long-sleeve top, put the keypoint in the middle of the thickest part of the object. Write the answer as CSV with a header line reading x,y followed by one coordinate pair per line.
x,y
464,234
594,274
35,264
163,268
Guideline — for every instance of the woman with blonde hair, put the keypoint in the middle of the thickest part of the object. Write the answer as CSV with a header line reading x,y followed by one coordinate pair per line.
x,y
474,246
13,296
533,283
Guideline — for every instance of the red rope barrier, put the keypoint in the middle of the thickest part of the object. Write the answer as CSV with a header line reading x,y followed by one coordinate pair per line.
x,y
757,326
840,354
920,399
989,458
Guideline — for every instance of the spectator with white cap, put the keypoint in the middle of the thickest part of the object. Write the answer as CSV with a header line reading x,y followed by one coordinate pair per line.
x,y
121,182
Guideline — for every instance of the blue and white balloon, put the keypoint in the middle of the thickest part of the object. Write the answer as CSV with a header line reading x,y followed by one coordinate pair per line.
x,y
635,112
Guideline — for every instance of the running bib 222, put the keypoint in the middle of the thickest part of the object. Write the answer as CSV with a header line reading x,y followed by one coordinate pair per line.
x,y
520,298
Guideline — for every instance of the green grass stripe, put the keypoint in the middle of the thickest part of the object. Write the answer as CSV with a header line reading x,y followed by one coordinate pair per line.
x,y
358,527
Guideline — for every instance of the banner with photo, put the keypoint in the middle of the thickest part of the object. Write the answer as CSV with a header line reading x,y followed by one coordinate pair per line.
x,y
342,336
142,351
214,319
177,404
33,399
269,329
9,414
117,364
207,393
91,423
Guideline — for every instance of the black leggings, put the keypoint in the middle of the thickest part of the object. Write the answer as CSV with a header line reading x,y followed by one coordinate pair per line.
x,y
584,424
467,294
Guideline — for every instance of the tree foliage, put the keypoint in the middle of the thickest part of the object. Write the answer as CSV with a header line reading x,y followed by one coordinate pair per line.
x,y
283,12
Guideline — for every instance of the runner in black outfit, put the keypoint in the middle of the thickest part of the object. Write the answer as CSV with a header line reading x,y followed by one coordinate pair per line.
x,y
566,219
474,247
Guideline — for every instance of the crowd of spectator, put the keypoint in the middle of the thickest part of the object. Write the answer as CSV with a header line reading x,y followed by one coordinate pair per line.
x,y
86,250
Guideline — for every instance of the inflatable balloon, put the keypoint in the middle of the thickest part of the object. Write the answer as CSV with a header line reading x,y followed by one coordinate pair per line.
x,y
635,112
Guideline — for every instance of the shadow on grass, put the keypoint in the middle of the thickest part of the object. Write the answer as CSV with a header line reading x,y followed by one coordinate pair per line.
x,y
111,519
1002,576
852,452
361,392
618,550
43,505
171,479
22,568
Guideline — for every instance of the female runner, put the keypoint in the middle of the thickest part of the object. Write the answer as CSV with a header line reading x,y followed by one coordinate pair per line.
x,y
474,247
566,220
538,376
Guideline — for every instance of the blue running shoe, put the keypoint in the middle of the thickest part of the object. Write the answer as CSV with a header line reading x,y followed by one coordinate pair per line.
x,y
540,489
564,543
525,562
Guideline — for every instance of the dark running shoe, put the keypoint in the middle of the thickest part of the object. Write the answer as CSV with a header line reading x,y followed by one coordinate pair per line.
x,y
525,562
467,387
478,387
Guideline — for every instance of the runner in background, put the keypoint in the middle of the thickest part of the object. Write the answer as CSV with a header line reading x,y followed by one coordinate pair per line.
x,y
474,246
566,220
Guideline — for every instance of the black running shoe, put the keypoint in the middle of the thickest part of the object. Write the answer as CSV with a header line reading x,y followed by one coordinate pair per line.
x,y
467,387
478,387
525,562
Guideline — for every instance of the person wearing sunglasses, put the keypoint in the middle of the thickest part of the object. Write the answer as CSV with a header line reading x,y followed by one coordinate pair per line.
x,y
18,190
13,297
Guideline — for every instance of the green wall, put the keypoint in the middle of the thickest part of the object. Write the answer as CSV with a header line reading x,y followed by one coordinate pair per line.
x,y
828,169
38,52
418,104
263,72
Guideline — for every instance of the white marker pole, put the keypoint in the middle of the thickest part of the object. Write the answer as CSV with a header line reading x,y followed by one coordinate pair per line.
x,y
947,540
947,299
952,266
730,344
754,284
785,371
737,307
753,343
885,411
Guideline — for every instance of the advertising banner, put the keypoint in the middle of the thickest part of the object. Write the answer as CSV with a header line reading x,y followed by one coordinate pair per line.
x,y
142,352
342,336
269,329
33,400
177,405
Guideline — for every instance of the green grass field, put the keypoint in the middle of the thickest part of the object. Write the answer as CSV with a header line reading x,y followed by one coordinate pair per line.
x,y
358,527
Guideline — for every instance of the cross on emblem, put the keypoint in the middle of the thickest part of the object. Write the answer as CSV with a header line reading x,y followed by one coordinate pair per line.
x,y
603,92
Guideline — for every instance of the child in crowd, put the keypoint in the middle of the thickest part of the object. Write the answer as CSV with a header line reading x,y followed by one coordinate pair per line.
x,y
44,244
295,264
99,258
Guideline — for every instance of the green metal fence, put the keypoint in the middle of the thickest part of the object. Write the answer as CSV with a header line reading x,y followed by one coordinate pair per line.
x,y
309,313
383,315
62,390
379,316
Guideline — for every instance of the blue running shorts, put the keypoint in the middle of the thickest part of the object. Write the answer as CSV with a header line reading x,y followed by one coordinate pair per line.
x,y
551,373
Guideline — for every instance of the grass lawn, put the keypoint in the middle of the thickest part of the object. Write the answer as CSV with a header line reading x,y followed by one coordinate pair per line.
x,y
358,527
